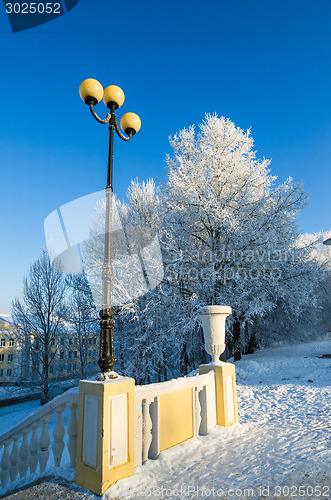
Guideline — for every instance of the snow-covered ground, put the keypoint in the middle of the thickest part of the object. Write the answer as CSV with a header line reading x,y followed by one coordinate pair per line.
x,y
280,449
13,414
56,388
281,443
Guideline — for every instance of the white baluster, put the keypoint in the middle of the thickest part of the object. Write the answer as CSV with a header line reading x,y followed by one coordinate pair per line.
x,y
154,449
5,464
44,443
14,456
147,429
58,435
24,452
72,433
33,448
204,412
196,412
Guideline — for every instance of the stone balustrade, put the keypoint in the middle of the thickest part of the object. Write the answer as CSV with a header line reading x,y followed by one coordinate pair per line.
x,y
168,413
27,448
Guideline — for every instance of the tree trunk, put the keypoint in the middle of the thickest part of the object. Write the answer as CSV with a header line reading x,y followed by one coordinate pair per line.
x,y
251,344
236,340
184,361
203,356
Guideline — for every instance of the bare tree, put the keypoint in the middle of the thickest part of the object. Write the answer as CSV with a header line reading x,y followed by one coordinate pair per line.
x,y
82,317
40,316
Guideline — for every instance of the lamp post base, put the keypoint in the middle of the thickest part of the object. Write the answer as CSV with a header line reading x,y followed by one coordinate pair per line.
x,y
106,361
103,376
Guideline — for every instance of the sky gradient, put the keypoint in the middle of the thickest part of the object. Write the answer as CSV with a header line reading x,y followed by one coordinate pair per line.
x,y
264,65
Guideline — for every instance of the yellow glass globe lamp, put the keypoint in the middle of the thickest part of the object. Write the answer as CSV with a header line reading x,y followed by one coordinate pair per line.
x,y
130,123
113,95
91,91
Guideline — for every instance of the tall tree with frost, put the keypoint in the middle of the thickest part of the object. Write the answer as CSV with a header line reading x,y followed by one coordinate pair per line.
x,y
228,236
230,230
41,314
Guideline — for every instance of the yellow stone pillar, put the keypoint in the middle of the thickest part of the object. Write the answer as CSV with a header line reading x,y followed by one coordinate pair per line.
x,y
105,441
226,393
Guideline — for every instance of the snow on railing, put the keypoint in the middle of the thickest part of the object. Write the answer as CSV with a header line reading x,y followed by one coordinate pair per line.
x,y
147,411
27,444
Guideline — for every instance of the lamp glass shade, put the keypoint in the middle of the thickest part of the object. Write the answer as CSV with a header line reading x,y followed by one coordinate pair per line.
x,y
113,94
130,121
90,88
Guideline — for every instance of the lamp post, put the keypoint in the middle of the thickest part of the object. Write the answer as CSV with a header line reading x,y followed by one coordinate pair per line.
x,y
92,92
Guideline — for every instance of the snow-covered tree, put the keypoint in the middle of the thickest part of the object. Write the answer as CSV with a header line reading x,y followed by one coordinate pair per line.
x,y
41,315
230,230
82,317
228,236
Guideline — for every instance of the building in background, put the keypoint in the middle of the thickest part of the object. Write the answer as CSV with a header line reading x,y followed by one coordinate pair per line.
x,y
19,363
10,353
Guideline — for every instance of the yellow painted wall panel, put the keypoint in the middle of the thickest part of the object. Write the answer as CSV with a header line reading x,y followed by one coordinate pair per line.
x,y
176,418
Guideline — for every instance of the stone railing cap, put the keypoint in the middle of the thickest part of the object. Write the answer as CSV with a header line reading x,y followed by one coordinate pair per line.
x,y
215,310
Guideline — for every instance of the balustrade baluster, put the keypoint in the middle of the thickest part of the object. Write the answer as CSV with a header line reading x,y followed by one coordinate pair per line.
x,y
44,442
72,433
147,429
5,464
154,449
14,456
24,452
33,448
196,412
58,435
204,412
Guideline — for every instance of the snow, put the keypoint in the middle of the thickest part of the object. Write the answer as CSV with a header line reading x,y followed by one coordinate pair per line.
x,y
14,391
14,414
282,440
55,388
281,443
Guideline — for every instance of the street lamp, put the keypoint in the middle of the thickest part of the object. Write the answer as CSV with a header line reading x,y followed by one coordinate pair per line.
x,y
91,92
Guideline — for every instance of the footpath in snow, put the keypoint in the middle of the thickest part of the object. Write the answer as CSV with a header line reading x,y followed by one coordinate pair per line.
x,y
280,449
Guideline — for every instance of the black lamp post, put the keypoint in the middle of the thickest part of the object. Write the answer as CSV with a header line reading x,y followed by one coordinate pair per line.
x,y
92,92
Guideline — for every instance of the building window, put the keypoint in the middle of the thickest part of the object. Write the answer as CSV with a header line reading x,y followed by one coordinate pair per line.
x,y
11,342
70,354
94,341
2,358
3,343
69,368
8,372
75,354
70,341
1,372
53,342
51,370
62,355
10,358
74,367
90,341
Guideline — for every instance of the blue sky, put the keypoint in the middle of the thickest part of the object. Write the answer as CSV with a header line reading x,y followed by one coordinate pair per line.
x,y
263,64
